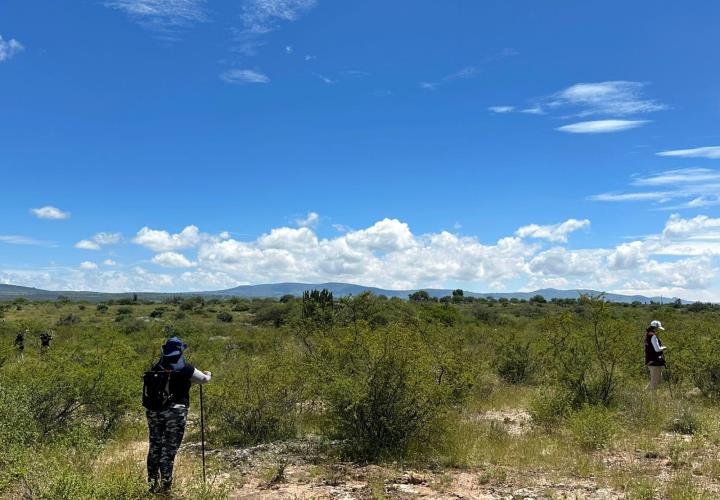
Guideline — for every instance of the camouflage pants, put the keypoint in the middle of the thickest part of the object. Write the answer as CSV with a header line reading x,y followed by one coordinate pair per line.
x,y
166,433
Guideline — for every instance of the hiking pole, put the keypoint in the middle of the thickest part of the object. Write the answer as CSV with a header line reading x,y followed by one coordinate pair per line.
x,y
202,431
668,375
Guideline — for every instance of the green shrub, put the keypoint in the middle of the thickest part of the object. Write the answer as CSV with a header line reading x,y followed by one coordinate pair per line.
x,y
592,427
224,317
513,362
550,407
255,403
685,420
384,388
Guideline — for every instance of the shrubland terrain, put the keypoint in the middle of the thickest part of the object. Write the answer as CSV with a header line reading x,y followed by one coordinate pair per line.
x,y
367,397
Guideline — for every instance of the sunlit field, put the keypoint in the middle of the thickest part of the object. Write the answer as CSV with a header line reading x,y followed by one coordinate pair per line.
x,y
367,397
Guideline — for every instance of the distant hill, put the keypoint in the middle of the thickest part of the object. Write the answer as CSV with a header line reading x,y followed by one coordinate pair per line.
x,y
276,290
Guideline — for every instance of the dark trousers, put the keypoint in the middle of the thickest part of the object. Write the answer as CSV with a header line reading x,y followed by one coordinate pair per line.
x,y
166,433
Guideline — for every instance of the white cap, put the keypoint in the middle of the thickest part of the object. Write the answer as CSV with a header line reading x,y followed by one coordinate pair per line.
x,y
656,324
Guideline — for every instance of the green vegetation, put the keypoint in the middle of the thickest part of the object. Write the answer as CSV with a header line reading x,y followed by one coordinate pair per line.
x,y
499,388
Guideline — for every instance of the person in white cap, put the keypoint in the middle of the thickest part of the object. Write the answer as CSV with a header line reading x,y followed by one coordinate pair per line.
x,y
654,358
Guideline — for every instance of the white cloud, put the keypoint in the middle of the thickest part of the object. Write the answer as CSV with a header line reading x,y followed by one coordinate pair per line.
x,y
48,212
687,188
502,109
324,78
683,256
680,176
15,239
244,76
99,240
87,245
163,241
553,232
172,259
311,220
264,16
617,98
9,48
289,49
712,152
162,14
601,126
260,17
109,262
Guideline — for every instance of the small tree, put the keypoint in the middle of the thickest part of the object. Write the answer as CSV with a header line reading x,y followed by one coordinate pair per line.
x,y
420,296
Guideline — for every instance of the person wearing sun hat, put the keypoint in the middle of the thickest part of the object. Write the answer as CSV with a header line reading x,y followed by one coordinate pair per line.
x,y
166,423
654,358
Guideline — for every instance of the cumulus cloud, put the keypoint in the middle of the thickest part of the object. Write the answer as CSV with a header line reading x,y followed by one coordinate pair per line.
x,y
682,257
601,126
87,245
9,48
88,266
242,76
712,152
49,212
163,241
172,259
99,240
553,232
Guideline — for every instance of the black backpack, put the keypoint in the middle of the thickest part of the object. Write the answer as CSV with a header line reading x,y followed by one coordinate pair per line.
x,y
156,390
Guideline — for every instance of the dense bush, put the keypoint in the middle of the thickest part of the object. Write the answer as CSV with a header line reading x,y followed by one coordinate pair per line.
x,y
256,402
224,317
513,361
550,407
384,388
592,427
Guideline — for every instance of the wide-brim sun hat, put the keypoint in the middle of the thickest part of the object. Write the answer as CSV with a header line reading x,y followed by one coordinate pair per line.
x,y
172,353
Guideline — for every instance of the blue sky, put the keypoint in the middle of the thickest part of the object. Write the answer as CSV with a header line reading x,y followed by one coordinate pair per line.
x,y
494,145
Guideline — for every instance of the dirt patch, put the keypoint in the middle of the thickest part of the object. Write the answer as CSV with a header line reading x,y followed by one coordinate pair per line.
x,y
516,422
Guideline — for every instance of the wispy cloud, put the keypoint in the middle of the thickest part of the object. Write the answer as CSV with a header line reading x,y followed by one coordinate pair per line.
x,y
264,16
9,48
15,239
502,109
601,126
618,98
49,212
679,176
260,17
612,98
311,220
242,76
162,14
464,73
672,189
712,152
324,78
470,71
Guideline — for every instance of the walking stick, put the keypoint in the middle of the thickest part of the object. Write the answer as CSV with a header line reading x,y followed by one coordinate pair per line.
x,y
202,431
668,375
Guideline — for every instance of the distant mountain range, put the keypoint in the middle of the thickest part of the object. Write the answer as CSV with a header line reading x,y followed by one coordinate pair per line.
x,y
276,290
